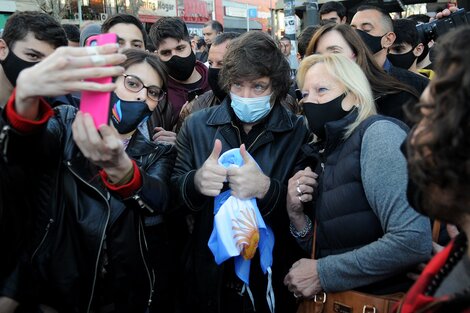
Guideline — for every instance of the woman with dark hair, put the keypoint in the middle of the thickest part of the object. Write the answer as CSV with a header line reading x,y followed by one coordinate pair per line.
x,y
98,188
256,77
390,94
438,152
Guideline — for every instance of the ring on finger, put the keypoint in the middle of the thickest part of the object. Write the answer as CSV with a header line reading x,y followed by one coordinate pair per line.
x,y
98,60
300,198
299,192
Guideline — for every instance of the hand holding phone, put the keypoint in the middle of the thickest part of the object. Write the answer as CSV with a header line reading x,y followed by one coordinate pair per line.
x,y
97,103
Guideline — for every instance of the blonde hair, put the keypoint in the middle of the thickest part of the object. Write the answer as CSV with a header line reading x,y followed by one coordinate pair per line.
x,y
350,75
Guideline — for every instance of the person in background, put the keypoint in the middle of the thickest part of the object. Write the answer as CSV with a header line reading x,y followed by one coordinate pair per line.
x,y
187,75
210,30
333,11
406,49
424,63
438,153
129,29
302,44
87,31
286,49
96,186
390,94
304,39
375,27
201,51
366,234
28,38
216,94
194,40
73,34
256,76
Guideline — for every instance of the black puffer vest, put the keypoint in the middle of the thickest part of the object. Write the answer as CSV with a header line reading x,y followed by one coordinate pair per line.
x,y
345,220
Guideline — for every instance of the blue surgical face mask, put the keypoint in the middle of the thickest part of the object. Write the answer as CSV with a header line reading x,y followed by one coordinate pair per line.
x,y
250,110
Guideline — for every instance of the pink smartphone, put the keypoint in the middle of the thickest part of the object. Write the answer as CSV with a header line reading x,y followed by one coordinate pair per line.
x,y
94,102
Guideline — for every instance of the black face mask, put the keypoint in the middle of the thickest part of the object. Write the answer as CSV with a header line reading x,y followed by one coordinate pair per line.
x,y
181,68
413,193
424,54
127,115
373,42
213,80
404,60
319,114
13,65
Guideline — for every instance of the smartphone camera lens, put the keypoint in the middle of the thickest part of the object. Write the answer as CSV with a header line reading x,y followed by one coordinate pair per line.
x,y
93,43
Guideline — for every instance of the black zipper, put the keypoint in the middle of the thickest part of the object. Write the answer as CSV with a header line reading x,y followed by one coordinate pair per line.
x,y
48,226
69,165
4,142
238,132
150,277
240,138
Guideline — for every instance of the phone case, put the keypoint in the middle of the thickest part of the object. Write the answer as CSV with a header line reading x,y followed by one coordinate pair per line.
x,y
96,103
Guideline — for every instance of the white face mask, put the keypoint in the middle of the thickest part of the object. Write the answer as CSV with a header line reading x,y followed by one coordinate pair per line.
x,y
250,110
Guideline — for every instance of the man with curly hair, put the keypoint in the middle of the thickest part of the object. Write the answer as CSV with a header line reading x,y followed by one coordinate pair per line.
x,y
439,170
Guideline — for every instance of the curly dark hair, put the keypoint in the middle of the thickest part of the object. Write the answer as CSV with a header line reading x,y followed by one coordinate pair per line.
x,y
440,150
254,55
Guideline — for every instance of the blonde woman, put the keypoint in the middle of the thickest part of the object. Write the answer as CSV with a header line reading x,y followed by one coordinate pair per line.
x,y
366,234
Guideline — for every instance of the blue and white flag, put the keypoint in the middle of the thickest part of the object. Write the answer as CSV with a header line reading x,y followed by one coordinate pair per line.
x,y
239,230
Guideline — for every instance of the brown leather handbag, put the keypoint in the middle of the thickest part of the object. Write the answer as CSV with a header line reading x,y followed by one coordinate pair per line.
x,y
354,301
349,302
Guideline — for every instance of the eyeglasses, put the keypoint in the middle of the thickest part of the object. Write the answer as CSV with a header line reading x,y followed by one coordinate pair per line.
x,y
134,84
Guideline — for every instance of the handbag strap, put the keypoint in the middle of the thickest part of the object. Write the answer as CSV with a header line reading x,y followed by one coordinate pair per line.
x,y
436,227
314,240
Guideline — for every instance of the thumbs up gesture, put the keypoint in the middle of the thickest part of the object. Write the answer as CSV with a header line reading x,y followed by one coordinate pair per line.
x,y
248,181
210,178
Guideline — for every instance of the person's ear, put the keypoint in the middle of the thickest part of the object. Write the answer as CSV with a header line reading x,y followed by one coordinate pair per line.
x,y
3,50
418,50
388,39
299,57
344,20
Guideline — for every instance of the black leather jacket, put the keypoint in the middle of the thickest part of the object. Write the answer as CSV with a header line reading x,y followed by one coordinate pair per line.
x,y
275,150
86,240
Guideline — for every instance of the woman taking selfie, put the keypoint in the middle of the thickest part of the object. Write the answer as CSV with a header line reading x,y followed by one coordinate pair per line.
x,y
96,186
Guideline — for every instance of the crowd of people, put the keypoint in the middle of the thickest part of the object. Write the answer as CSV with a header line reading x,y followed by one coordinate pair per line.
x,y
233,176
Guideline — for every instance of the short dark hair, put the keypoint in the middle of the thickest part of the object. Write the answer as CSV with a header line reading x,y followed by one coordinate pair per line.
x,y
304,39
168,27
201,43
72,32
124,18
43,26
284,38
137,56
419,18
254,55
386,19
405,31
333,6
221,38
215,25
